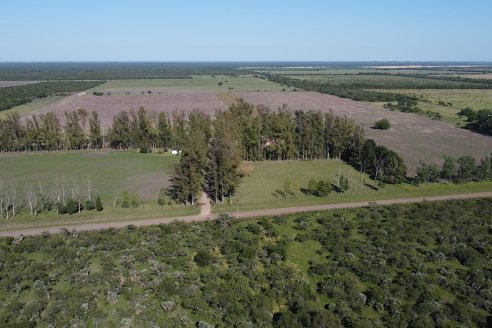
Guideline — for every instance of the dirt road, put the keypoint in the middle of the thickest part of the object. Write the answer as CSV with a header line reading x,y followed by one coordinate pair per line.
x,y
206,215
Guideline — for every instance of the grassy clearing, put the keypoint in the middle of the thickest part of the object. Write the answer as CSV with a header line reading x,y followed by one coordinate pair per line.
x,y
258,189
109,171
197,83
32,106
474,98
448,114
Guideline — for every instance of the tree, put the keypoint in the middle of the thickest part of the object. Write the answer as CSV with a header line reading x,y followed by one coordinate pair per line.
x,y
164,131
448,170
223,173
95,137
427,172
119,134
99,204
74,131
203,258
188,178
465,168
51,131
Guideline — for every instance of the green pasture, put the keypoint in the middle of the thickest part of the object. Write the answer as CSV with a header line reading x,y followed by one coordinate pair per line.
x,y
460,98
109,172
196,83
262,181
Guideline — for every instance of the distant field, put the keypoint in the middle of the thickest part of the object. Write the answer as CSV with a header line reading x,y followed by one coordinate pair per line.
x,y
476,99
258,189
477,76
336,71
200,83
386,82
33,106
110,171
108,106
14,83
166,95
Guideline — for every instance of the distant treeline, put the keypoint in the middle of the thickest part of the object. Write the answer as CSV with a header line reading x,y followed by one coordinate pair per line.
x,y
342,91
21,94
358,88
479,121
258,132
110,71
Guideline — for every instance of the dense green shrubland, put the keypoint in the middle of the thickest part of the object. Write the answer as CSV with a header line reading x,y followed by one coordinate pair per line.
x,y
419,265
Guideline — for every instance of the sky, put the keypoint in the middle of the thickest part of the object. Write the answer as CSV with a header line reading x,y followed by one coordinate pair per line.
x,y
248,30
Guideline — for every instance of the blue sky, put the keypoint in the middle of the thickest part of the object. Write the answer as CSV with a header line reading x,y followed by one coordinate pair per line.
x,y
216,30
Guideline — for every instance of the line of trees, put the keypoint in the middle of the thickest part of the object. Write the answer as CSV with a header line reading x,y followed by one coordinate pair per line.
x,y
63,196
213,149
139,129
458,170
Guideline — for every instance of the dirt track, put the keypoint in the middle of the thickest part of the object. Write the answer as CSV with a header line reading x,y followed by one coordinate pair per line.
x,y
204,216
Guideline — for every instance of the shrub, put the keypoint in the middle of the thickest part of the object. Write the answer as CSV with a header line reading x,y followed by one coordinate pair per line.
x,y
319,188
383,124
203,258
99,205
70,207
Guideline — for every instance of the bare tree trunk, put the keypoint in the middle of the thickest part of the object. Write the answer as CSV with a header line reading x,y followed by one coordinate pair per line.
x,y
14,197
115,201
30,198
89,188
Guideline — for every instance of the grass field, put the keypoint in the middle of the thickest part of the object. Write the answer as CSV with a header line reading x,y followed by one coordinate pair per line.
x,y
109,171
476,99
258,189
383,81
200,83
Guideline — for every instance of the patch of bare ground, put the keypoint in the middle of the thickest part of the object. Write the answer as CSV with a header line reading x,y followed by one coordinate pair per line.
x,y
412,136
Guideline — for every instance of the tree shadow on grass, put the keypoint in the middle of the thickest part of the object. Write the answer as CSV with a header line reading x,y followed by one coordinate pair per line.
x,y
375,188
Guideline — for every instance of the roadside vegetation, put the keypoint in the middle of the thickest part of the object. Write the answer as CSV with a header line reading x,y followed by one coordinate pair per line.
x,y
421,265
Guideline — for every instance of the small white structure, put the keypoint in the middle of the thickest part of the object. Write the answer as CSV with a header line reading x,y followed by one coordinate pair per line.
x,y
175,152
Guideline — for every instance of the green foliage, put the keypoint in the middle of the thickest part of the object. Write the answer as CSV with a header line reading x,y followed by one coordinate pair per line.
x,y
344,183
71,206
419,265
99,204
427,173
480,121
464,169
203,258
319,188
90,205
382,124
